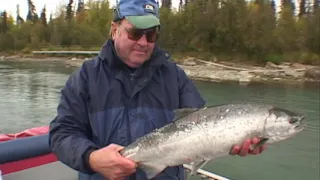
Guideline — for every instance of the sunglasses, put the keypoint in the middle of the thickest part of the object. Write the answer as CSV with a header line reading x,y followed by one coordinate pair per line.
x,y
135,34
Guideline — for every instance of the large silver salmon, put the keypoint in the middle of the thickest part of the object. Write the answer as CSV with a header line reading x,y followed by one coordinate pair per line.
x,y
199,135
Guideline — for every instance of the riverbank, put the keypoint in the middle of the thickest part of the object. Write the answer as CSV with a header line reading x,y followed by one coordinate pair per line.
x,y
218,71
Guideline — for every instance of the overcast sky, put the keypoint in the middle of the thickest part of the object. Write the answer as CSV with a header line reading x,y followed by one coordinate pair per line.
x,y
51,5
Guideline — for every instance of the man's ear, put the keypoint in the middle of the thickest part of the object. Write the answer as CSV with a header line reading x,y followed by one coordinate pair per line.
x,y
114,29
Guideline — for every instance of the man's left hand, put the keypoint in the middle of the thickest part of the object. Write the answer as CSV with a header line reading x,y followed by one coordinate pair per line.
x,y
244,149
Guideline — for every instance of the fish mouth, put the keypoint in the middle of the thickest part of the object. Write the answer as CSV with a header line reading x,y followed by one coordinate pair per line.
x,y
299,127
300,124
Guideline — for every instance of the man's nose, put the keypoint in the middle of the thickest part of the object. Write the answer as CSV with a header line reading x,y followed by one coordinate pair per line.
x,y
143,40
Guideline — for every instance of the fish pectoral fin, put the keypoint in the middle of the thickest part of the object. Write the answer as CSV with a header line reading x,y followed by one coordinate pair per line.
x,y
261,142
152,169
195,166
179,113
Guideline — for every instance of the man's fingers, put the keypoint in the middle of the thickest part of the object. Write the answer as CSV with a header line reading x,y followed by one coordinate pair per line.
x,y
127,164
256,151
235,150
245,147
262,148
116,147
255,140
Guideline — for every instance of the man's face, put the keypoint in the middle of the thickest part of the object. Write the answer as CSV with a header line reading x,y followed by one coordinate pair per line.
x,y
132,49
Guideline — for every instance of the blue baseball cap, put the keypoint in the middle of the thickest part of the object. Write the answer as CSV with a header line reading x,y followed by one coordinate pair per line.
x,y
142,14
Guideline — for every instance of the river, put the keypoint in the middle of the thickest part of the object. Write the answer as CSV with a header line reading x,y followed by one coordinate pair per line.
x,y
29,95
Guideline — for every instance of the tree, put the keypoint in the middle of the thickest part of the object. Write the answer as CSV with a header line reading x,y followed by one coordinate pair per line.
x,y
32,16
288,3
80,6
302,8
167,4
180,5
81,12
99,15
19,19
273,6
69,11
315,5
207,28
43,16
4,22
286,31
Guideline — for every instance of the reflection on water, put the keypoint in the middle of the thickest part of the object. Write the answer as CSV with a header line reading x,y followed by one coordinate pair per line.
x,y
29,95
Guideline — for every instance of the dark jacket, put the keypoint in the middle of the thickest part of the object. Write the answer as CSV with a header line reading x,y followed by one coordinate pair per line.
x,y
103,102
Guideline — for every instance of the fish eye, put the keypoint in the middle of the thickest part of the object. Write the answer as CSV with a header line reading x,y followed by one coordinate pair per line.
x,y
297,119
293,120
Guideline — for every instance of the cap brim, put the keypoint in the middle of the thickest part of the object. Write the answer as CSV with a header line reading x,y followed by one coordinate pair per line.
x,y
143,22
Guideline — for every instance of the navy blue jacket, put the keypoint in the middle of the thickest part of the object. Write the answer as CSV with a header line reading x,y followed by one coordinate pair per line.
x,y
104,102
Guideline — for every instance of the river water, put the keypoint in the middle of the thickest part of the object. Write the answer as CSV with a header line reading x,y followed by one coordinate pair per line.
x,y
30,91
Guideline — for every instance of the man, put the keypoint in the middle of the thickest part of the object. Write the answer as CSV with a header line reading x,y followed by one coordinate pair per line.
x,y
125,92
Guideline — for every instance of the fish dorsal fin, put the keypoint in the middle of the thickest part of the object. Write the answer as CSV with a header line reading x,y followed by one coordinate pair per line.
x,y
180,113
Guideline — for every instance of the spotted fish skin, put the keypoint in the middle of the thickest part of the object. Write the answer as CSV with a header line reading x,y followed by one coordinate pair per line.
x,y
200,135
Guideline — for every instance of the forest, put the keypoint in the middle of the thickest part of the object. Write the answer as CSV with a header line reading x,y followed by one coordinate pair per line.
x,y
255,30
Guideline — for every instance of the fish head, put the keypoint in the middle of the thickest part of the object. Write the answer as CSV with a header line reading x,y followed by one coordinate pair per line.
x,y
282,124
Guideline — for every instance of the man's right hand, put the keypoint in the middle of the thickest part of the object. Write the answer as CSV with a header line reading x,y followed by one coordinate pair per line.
x,y
109,163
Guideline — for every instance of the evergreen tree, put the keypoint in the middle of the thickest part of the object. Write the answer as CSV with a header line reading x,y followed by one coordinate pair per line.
x,y
19,19
229,28
4,22
167,4
43,16
32,16
80,6
69,11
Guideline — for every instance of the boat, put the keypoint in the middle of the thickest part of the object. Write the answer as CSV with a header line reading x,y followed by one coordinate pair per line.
x,y
26,156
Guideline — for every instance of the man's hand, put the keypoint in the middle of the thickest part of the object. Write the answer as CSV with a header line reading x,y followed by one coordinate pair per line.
x,y
109,163
244,149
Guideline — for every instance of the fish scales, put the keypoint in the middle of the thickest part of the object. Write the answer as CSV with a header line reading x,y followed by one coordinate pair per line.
x,y
203,135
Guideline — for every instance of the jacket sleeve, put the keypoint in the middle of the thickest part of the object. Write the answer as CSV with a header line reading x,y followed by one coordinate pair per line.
x,y
189,95
69,133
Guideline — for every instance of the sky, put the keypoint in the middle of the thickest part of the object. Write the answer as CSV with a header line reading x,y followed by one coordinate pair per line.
x,y
11,5
51,5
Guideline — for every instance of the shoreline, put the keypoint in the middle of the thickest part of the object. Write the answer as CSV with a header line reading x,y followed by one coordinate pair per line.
x,y
201,70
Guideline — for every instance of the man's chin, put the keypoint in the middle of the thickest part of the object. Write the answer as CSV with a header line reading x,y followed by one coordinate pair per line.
x,y
138,60
136,63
